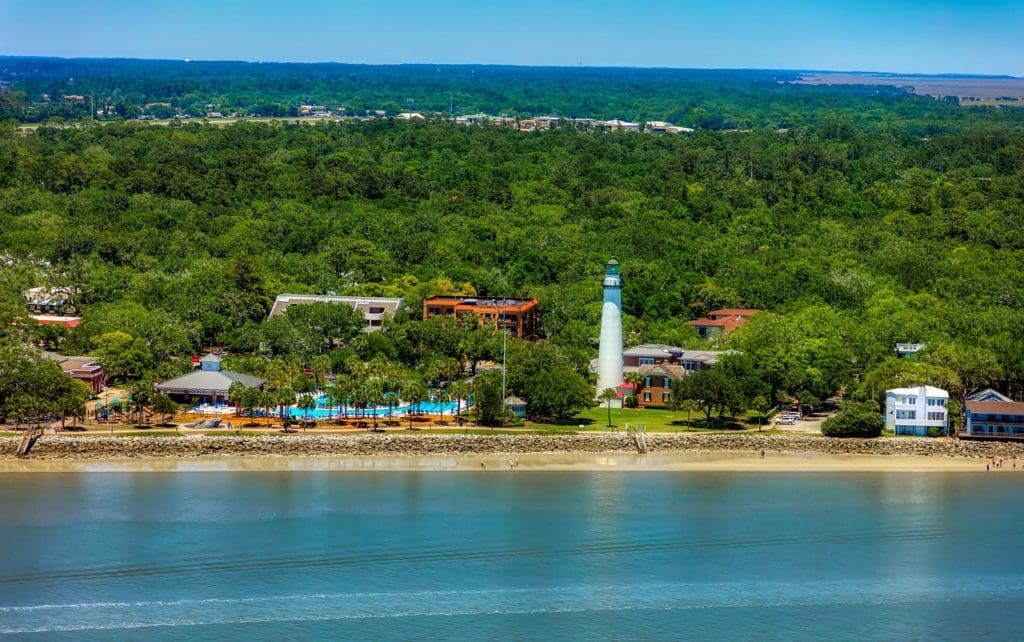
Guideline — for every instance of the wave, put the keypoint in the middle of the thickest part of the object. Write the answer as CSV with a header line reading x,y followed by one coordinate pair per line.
x,y
674,596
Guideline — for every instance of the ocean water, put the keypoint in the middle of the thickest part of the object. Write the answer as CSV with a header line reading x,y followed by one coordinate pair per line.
x,y
511,555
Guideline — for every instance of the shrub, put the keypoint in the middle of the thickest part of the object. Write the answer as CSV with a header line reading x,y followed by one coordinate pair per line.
x,y
854,420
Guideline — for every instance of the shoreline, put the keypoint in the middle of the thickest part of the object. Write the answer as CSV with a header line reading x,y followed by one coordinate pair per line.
x,y
591,452
678,461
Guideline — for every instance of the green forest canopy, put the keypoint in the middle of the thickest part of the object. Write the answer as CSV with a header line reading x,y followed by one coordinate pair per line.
x,y
888,218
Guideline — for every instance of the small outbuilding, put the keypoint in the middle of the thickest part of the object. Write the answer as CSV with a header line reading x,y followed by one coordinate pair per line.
x,y
209,383
516,405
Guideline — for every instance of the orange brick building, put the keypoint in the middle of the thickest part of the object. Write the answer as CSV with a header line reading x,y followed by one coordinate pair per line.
x,y
519,316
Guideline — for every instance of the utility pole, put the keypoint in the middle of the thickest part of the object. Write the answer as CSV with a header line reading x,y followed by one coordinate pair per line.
x,y
504,356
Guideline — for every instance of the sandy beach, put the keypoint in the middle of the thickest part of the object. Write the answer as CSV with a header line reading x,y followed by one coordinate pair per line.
x,y
499,464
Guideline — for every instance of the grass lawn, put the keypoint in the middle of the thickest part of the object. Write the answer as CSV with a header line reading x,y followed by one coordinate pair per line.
x,y
653,420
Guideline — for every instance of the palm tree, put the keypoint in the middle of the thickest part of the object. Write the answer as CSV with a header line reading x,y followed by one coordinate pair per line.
x,y
251,400
607,395
637,380
375,397
360,399
339,393
414,392
306,403
266,401
459,390
140,392
236,394
321,367
284,396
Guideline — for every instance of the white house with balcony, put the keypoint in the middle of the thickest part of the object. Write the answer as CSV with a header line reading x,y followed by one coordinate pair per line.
x,y
374,309
914,411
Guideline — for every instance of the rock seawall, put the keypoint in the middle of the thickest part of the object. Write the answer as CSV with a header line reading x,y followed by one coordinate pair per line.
x,y
108,447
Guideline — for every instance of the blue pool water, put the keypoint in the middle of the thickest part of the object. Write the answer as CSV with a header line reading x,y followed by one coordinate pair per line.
x,y
324,410
512,555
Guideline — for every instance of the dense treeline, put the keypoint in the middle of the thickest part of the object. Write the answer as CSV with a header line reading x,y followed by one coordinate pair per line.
x,y
179,237
707,99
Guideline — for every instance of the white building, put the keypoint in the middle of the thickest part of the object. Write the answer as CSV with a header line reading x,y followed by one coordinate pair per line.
x,y
913,411
374,309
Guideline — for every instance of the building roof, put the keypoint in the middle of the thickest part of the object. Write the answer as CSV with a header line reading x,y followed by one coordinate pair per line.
x,y
988,394
481,302
662,350
360,303
929,391
734,312
996,407
56,319
513,400
649,350
727,318
671,370
207,382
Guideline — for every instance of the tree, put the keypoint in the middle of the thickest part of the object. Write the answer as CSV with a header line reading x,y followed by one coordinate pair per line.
x,y
558,393
141,392
70,401
976,367
490,407
162,404
284,397
267,400
306,403
414,392
712,390
374,396
638,381
854,419
607,395
459,390
321,367
121,355
236,394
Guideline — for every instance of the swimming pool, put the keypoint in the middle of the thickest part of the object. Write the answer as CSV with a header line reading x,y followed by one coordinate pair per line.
x,y
324,410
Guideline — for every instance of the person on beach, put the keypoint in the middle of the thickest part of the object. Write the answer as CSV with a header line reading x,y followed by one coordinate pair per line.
x,y
762,453
483,466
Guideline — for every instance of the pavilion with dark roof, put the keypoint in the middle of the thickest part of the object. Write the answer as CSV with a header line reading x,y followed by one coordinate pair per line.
x,y
209,382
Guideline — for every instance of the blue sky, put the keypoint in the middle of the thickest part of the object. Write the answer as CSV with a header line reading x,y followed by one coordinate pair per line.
x,y
927,36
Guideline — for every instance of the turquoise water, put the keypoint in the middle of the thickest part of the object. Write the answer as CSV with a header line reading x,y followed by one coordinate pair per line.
x,y
500,554
324,410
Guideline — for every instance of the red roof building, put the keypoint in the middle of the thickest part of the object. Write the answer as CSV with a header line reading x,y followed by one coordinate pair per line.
x,y
722,322
53,319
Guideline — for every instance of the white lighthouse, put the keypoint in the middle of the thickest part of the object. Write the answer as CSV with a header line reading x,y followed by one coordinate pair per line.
x,y
609,355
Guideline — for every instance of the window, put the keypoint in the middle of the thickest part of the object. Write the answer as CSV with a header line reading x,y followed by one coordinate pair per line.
x,y
936,416
647,396
664,397
936,402
912,401
377,310
906,414
646,361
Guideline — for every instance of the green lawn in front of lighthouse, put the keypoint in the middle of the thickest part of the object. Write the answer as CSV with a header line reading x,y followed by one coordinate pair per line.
x,y
652,419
